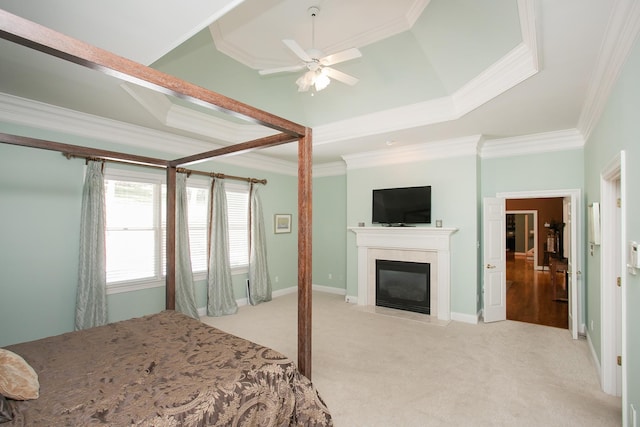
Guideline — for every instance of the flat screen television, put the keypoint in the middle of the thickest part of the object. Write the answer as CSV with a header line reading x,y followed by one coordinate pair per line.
x,y
402,206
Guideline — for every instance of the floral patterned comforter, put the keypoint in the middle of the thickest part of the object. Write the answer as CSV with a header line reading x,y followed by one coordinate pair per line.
x,y
165,369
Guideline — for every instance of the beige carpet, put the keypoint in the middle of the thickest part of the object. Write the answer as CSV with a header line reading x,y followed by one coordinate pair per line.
x,y
377,370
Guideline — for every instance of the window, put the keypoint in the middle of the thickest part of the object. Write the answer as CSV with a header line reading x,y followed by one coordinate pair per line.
x,y
136,227
132,229
238,217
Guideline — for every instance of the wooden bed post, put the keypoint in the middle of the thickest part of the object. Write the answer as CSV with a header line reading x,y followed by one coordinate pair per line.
x,y
170,290
304,253
34,36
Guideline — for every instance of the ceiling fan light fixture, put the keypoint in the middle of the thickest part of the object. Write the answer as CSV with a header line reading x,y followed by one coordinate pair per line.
x,y
319,73
305,81
321,80
318,79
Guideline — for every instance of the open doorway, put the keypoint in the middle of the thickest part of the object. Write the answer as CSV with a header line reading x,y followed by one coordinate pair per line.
x,y
536,261
494,253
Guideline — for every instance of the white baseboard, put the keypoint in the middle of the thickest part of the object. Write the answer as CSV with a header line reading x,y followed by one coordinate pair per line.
x,y
582,329
202,311
285,291
594,356
329,289
466,318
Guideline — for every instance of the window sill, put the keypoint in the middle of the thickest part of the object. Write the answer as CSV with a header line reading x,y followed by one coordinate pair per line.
x,y
121,287
139,285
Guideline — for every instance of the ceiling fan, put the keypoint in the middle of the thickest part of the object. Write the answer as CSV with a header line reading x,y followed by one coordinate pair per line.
x,y
319,73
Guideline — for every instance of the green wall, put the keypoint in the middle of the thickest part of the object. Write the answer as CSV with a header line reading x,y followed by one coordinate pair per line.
x,y
559,170
39,236
453,194
617,130
330,231
40,200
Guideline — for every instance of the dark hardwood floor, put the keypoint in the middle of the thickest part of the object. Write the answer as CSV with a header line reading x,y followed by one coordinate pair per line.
x,y
530,297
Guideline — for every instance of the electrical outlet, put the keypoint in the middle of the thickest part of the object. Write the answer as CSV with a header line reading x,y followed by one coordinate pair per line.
x,y
330,276
276,279
591,325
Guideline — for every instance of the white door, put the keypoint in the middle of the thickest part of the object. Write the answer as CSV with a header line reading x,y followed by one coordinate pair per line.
x,y
494,264
570,254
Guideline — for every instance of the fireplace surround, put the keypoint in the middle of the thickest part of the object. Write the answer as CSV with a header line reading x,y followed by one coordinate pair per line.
x,y
411,244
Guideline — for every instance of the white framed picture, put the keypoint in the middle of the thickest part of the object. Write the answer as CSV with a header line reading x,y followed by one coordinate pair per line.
x,y
282,223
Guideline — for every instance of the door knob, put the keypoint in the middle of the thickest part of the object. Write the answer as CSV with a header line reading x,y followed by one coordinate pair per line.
x,y
491,266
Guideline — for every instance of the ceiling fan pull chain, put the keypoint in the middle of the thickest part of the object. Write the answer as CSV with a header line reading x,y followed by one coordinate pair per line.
x,y
313,29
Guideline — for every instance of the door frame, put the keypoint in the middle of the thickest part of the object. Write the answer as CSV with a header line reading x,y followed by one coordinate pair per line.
x,y
609,176
577,257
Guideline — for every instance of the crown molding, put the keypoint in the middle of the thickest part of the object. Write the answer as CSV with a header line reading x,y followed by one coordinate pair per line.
x,y
38,115
458,147
415,11
329,169
382,32
234,52
528,10
179,117
516,66
510,70
263,163
364,38
569,139
408,116
622,31
26,112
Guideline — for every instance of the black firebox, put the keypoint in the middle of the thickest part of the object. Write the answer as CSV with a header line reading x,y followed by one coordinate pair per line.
x,y
403,285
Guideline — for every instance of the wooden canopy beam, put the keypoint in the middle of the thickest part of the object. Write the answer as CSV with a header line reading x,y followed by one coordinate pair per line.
x,y
29,34
43,39
77,150
269,141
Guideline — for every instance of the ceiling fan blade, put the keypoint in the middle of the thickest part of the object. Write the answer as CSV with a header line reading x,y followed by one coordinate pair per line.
x,y
340,76
345,55
299,51
281,69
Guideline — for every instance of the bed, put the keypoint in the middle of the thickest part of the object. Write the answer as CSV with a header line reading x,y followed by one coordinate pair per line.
x,y
164,369
167,369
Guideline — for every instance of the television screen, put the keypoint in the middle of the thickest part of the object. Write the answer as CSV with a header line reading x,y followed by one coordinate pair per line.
x,y
398,206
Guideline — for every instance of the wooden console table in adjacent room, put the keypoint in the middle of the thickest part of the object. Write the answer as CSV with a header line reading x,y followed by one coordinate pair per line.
x,y
558,266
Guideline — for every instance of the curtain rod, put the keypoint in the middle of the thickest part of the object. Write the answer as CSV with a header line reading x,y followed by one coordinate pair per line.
x,y
70,156
221,176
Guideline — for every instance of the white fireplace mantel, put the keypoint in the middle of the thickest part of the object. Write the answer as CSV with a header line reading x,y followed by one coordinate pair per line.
x,y
427,240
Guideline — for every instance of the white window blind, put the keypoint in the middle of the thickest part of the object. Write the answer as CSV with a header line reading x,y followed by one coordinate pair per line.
x,y
197,211
238,218
132,230
198,205
136,226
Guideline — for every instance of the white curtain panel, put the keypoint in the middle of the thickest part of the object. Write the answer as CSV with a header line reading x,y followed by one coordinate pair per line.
x,y
259,281
219,286
185,289
91,296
